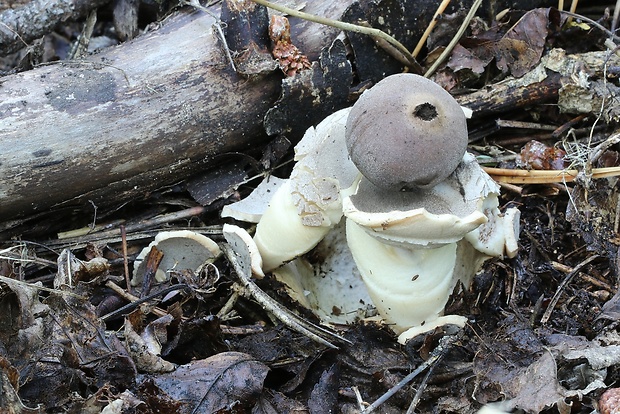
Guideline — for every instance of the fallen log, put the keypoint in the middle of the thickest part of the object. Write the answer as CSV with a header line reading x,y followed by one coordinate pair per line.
x,y
136,117
38,17
152,112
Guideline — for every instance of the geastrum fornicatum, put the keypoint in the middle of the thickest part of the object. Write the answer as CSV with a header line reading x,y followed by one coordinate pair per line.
x,y
421,215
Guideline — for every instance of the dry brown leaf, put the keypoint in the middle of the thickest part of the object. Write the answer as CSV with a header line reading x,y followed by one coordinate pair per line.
x,y
215,383
536,388
144,343
515,52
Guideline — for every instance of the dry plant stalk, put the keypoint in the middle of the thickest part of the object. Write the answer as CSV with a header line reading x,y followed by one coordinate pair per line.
x,y
442,7
504,175
375,33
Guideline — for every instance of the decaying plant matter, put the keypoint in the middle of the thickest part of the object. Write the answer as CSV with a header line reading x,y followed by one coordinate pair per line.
x,y
185,135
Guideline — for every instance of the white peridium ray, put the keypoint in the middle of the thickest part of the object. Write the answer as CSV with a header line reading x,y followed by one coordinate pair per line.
x,y
409,287
309,204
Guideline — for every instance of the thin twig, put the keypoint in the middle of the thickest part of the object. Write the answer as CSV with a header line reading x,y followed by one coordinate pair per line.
x,y
80,48
218,27
125,258
96,65
230,303
131,228
6,254
455,39
421,388
135,301
341,25
314,332
358,397
15,33
556,297
614,21
438,353
10,281
509,123
592,22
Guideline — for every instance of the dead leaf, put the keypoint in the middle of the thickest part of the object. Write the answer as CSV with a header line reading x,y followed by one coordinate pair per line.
x,y
573,348
9,385
587,96
536,388
157,401
324,395
19,308
593,214
515,52
124,403
513,364
272,402
611,308
521,47
215,383
60,347
463,58
144,343
517,367
72,270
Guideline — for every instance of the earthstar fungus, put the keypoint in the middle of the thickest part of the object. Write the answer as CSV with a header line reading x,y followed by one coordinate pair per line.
x,y
410,247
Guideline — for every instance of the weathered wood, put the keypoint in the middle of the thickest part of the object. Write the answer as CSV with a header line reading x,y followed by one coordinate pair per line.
x,y
23,25
502,97
134,118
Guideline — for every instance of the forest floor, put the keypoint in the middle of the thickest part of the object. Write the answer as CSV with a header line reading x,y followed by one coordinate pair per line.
x,y
542,333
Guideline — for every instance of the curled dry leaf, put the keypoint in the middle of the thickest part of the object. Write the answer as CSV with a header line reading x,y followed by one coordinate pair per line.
x,y
536,155
61,347
72,270
516,51
9,387
144,343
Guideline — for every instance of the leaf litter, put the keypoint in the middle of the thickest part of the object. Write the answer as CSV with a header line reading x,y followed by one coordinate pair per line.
x,y
211,348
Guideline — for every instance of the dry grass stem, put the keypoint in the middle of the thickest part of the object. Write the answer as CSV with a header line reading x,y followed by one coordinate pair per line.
x,y
457,37
341,25
442,7
505,175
